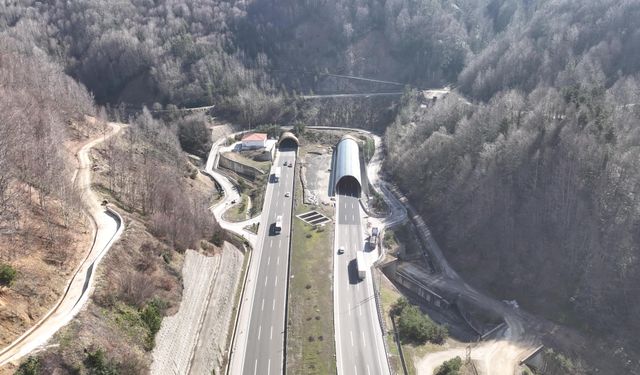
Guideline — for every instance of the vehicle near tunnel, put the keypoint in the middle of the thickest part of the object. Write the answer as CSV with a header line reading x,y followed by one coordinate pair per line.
x,y
277,226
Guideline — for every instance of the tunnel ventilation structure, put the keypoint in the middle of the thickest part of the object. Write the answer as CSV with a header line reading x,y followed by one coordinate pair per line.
x,y
288,141
347,167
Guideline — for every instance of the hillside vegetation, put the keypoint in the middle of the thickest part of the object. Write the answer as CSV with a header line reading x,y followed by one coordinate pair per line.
x,y
528,173
43,233
533,189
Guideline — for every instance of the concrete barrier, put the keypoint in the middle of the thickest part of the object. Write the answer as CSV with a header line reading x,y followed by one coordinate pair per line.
x,y
238,167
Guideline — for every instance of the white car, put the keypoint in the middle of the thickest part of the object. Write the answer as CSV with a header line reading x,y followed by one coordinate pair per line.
x,y
287,194
341,250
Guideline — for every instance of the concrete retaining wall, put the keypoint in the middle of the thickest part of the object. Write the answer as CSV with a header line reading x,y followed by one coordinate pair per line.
x,y
416,286
239,168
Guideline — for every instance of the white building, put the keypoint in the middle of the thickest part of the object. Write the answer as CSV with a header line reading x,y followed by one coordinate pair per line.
x,y
254,140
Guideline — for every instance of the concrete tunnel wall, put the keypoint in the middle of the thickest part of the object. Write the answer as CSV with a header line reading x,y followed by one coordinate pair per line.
x,y
288,140
348,179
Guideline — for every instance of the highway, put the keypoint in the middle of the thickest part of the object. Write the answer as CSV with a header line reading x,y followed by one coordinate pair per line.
x,y
359,346
260,349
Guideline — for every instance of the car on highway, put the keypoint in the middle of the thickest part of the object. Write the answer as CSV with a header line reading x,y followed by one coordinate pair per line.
x,y
285,163
287,194
290,164
341,250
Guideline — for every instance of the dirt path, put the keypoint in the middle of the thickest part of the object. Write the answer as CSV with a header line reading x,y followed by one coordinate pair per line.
x,y
194,339
108,226
495,357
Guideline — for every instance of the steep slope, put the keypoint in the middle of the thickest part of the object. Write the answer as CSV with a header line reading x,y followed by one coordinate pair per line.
x,y
43,231
533,189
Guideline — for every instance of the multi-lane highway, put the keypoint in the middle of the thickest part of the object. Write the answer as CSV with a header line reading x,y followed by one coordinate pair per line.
x,y
262,346
359,346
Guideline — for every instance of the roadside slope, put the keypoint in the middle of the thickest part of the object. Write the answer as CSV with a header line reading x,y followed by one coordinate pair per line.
x,y
193,340
108,225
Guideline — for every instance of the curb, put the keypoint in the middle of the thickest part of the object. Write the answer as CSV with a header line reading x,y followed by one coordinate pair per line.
x,y
235,325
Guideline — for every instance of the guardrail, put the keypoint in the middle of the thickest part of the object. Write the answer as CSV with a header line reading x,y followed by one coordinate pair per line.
x,y
378,303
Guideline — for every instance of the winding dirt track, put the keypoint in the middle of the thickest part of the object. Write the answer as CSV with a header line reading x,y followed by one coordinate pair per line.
x,y
108,225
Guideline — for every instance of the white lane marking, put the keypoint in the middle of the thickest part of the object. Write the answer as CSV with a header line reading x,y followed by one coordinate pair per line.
x,y
363,340
279,243
278,261
273,305
271,333
368,371
353,217
349,308
255,367
262,308
355,370
350,335
268,260
345,217
269,367
266,278
259,332
276,280
360,309
271,243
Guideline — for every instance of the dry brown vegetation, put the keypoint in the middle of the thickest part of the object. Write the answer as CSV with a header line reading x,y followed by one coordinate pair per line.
x,y
43,232
45,251
144,172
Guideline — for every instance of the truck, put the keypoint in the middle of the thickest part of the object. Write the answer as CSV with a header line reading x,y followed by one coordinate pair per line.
x,y
373,238
362,266
276,174
277,226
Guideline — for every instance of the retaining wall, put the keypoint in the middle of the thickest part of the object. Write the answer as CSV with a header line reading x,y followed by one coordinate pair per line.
x,y
239,168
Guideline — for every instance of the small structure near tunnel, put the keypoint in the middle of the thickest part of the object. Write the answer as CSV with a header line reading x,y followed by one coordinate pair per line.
x,y
347,177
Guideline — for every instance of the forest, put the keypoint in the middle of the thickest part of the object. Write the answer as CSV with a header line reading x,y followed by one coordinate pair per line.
x,y
533,187
527,172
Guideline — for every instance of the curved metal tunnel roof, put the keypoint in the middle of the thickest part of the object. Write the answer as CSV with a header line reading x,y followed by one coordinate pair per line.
x,y
347,167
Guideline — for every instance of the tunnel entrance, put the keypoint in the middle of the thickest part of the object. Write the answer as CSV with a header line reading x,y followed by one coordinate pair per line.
x,y
288,141
349,185
288,144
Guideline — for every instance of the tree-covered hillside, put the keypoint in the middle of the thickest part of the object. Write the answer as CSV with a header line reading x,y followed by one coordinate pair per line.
x,y
528,173
533,189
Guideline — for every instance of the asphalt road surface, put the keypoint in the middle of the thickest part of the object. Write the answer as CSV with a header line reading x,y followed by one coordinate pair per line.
x,y
359,346
263,353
